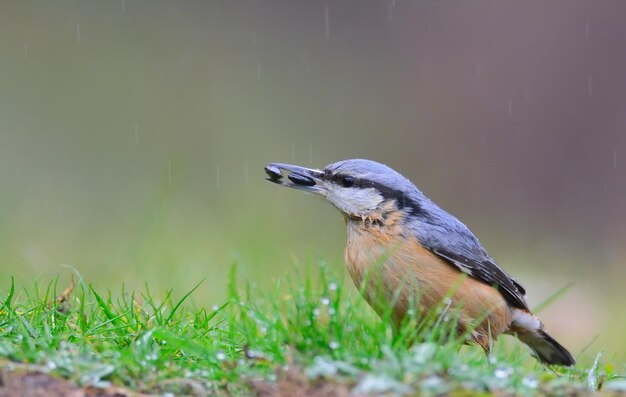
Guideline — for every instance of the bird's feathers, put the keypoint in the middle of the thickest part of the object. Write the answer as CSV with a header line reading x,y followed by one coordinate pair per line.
x,y
390,207
530,330
437,230
488,272
450,239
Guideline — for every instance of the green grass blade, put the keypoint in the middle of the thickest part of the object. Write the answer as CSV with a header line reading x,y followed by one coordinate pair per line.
x,y
7,301
180,302
112,317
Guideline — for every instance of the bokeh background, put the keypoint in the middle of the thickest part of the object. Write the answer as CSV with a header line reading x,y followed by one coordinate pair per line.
x,y
133,135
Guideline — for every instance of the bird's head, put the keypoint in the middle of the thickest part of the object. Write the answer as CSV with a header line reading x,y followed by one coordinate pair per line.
x,y
356,187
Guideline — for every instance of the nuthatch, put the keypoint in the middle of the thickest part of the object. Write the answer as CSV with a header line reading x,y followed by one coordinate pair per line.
x,y
401,243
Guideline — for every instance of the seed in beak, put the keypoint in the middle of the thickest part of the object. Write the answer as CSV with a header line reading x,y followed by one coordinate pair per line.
x,y
300,179
273,172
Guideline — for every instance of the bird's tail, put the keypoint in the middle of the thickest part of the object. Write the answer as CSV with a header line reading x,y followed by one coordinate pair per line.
x,y
530,331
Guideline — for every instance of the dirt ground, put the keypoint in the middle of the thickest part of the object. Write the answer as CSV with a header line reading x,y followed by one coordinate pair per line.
x,y
294,383
32,383
21,383
29,383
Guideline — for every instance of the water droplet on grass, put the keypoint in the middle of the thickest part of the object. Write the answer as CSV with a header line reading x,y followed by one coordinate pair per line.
x,y
503,373
380,384
321,367
530,382
434,385
424,352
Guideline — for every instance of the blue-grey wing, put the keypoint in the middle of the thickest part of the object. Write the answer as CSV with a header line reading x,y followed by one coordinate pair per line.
x,y
452,241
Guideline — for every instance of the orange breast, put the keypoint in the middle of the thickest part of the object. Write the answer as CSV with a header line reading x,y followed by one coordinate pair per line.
x,y
389,268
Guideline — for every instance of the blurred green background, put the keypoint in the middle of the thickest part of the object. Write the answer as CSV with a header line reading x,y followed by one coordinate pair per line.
x,y
133,136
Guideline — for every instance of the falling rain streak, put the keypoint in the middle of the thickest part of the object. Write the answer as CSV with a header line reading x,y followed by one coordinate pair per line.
x,y
310,153
78,32
326,22
614,158
169,172
123,5
590,86
217,176
246,174
136,127
510,107
392,5
478,68
26,51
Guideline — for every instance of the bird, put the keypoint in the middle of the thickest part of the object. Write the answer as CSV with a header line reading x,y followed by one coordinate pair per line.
x,y
400,240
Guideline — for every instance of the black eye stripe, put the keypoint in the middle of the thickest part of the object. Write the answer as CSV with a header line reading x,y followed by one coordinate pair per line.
x,y
387,192
344,179
347,181
336,178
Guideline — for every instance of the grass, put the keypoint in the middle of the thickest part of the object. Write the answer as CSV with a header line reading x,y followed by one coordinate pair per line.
x,y
315,325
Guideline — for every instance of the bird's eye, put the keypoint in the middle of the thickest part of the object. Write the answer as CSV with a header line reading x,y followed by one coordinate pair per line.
x,y
347,181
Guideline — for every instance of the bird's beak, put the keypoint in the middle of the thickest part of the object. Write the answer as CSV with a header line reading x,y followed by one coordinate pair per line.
x,y
307,179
